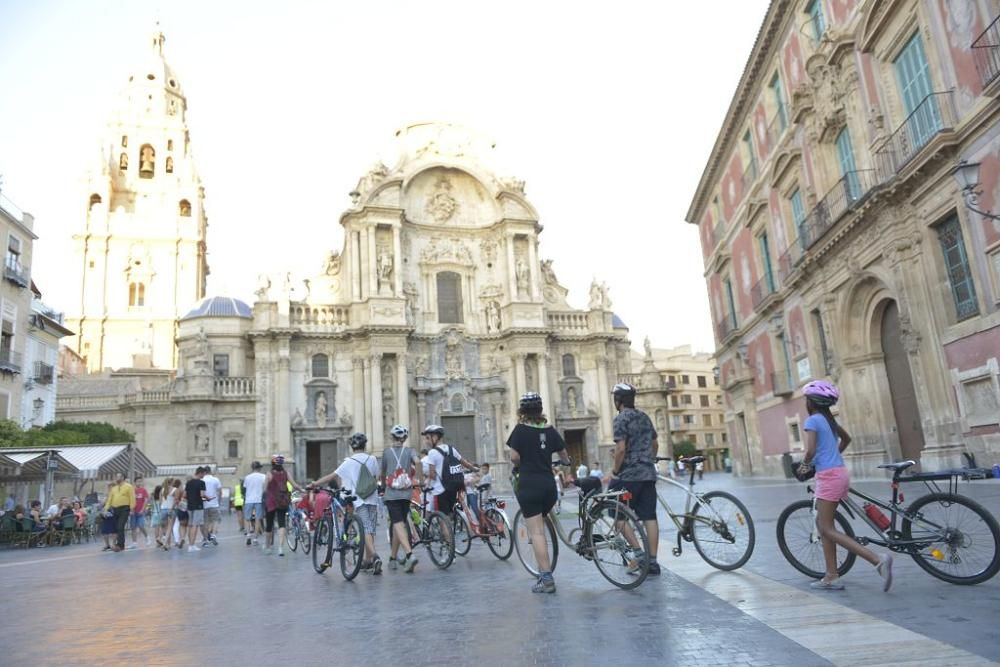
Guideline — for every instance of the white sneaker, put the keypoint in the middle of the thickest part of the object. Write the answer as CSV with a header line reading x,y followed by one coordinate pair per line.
x,y
884,569
193,548
828,585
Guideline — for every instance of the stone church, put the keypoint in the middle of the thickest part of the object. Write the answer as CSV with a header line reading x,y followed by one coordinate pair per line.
x,y
439,307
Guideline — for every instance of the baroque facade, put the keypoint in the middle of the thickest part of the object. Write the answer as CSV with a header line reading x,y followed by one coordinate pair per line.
x,y
836,240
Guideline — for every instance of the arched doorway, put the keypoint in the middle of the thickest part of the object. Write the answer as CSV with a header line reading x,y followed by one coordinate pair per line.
x,y
901,390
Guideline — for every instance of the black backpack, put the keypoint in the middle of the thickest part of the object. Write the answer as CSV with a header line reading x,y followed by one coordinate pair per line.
x,y
452,478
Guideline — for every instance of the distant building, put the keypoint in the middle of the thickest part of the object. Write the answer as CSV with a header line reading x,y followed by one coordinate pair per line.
x,y
16,232
836,240
41,358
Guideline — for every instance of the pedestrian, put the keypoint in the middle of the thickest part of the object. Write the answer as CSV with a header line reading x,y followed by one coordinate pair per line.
x,y
279,498
444,469
472,497
680,468
700,469
121,501
195,494
213,489
238,494
397,473
825,440
359,472
634,470
596,471
181,515
163,495
532,443
253,502
582,471
108,524
485,479
9,504
138,518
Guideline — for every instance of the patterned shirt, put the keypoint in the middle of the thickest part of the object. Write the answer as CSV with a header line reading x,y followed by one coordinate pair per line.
x,y
636,429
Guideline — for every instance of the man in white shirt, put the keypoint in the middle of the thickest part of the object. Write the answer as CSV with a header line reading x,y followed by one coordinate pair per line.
x,y
253,503
444,498
582,471
213,491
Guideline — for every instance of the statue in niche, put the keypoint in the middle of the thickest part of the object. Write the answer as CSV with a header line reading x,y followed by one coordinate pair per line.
x,y
530,376
453,361
492,317
384,268
123,162
202,442
521,274
388,416
201,344
596,299
321,409
333,263
571,400
420,366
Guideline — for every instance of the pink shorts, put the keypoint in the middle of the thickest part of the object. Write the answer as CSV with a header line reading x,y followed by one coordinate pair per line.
x,y
832,484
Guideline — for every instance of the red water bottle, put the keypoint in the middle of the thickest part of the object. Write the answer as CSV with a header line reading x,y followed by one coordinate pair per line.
x,y
877,516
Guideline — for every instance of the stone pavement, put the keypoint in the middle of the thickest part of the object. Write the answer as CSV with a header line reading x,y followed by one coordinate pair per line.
x,y
234,605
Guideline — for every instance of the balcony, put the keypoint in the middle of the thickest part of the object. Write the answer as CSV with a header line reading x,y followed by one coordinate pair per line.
x,y
789,260
235,387
762,291
320,318
749,177
935,114
986,53
10,361
841,198
776,128
726,328
781,384
574,322
15,273
43,373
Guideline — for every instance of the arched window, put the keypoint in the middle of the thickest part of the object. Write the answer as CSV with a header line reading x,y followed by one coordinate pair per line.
x,y
184,208
170,165
170,144
124,141
320,366
94,200
449,297
136,294
569,365
147,161
123,162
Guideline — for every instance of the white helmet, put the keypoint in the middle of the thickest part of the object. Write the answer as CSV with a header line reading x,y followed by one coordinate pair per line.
x,y
400,432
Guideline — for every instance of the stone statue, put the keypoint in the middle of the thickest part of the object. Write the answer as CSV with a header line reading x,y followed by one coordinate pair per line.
x,y
263,286
201,344
420,366
453,356
201,438
321,409
521,274
648,347
333,263
596,298
571,400
384,267
123,162
605,299
374,176
547,272
441,206
492,317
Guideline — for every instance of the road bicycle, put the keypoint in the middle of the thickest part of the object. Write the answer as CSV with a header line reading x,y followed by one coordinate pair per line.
x,y
298,528
952,537
605,525
428,528
717,523
491,525
338,529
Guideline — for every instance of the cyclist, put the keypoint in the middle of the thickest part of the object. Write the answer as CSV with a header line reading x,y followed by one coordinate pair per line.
x,y
444,499
825,440
399,465
277,502
532,444
634,467
347,475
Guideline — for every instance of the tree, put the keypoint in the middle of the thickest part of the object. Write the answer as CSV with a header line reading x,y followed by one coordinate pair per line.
x,y
684,448
62,433
11,434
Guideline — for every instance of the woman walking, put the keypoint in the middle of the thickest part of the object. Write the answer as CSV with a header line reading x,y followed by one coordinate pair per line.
x,y
398,466
825,440
532,444
178,527
278,499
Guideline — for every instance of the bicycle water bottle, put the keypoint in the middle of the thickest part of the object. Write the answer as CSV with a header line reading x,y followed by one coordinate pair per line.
x,y
877,516
415,515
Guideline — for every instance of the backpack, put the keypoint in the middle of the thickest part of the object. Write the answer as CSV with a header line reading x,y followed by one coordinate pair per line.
x,y
367,485
452,478
399,479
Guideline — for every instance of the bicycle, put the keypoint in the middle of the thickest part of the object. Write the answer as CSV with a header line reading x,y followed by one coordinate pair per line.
x,y
338,529
427,527
602,521
934,530
298,528
717,523
491,525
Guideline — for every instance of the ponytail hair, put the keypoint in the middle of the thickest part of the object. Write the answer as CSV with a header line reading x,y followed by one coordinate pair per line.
x,y
825,411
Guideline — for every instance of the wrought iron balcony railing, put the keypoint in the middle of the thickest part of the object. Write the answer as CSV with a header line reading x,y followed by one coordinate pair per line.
x,y
842,197
986,53
749,176
934,114
725,328
14,272
10,361
789,260
43,373
764,288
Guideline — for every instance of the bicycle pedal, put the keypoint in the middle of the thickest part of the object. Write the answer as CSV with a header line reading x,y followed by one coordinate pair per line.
x,y
676,552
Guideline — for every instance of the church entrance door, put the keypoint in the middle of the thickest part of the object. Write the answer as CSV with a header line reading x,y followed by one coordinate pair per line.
x,y
576,446
460,432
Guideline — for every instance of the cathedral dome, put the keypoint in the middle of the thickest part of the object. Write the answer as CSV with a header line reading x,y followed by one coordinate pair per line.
x,y
220,306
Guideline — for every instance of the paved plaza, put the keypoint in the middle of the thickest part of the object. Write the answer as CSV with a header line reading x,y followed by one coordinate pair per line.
x,y
234,605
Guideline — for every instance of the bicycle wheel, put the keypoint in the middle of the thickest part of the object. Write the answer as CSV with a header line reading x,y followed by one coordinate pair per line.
x,y
292,532
722,531
800,543
304,538
611,528
959,538
351,546
440,547
322,551
525,550
499,541
461,533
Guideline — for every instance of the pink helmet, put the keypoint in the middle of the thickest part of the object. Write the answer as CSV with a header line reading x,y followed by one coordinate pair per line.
x,y
821,392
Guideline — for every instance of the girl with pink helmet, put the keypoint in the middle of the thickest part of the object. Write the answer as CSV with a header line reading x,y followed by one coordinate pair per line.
x,y
825,440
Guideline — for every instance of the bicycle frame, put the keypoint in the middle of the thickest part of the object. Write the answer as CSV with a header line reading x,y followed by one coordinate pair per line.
x,y
585,503
485,528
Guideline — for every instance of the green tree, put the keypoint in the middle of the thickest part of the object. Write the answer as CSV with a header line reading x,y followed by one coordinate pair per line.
x,y
61,433
684,448
11,434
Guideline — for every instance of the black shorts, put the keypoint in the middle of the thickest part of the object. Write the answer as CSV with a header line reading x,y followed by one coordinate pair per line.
x,y
278,514
398,509
643,501
445,502
536,495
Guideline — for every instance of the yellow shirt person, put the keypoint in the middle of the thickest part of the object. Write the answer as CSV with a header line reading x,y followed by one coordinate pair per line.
x,y
121,494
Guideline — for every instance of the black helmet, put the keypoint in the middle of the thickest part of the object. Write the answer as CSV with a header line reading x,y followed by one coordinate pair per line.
x,y
358,441
433,429
530,403
623,390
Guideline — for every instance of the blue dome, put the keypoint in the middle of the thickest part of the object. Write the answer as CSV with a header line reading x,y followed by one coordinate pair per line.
x,y
617,322
220,306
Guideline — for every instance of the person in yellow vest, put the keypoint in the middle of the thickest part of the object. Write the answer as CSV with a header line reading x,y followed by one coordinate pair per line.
x,y
238,503
120,502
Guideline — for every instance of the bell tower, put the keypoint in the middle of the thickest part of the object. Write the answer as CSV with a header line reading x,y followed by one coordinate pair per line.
x,y
140,255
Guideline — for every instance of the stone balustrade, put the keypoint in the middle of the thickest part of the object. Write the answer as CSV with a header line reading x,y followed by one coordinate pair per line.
x,y
310,317
574,322
86,403
235,387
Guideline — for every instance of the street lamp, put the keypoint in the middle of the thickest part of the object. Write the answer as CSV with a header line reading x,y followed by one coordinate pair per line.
x,y
967,175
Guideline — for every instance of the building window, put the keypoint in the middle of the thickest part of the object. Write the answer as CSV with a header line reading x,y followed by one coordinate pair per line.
x,y
184,208
817,317
14,253
694,438
751,156
124,141
722,419
730,303
848,170
913,76
95,199
816,21
688,419
220,365
6,339
779,101
675,421
798,214
702,382
136,294
170,144
686,399
956,264
794,433
170,165
717,212
685,379
234,449
147,161
710,439
320,366
449,297
706,420
724,438
703,399
673,402
764,245
569,365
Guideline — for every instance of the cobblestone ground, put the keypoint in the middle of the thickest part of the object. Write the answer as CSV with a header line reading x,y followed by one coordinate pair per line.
x,y
234,605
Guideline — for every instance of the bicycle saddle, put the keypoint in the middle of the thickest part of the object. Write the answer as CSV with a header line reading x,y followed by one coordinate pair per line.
x,y
589,485
695,460
899,465
483,487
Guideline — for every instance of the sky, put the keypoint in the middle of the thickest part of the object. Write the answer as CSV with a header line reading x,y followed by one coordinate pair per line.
x,y
608,111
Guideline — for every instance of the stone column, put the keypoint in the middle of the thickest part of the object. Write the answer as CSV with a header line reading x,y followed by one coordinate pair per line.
x,y
397,259
603,400
511,273
372,262
543,386
376,434
359,393
283,427
533,269
367,421
421,419
402,392
501,437
355,266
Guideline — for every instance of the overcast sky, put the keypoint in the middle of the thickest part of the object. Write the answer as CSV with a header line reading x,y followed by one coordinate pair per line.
x,y
607,110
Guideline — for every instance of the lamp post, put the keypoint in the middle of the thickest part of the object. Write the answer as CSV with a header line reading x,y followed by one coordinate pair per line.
x,y
967,175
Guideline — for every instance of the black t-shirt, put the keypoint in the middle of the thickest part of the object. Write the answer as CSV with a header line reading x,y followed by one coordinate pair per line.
x,y
536,447
192,491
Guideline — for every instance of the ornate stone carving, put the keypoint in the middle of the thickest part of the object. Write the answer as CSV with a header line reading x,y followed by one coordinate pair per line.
x,y
320,409
488,247
908,335
420,366
548,274
263,287
512,184
454,355
384,267
375,175
492,317
332,263
521,276
441,205
446,250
